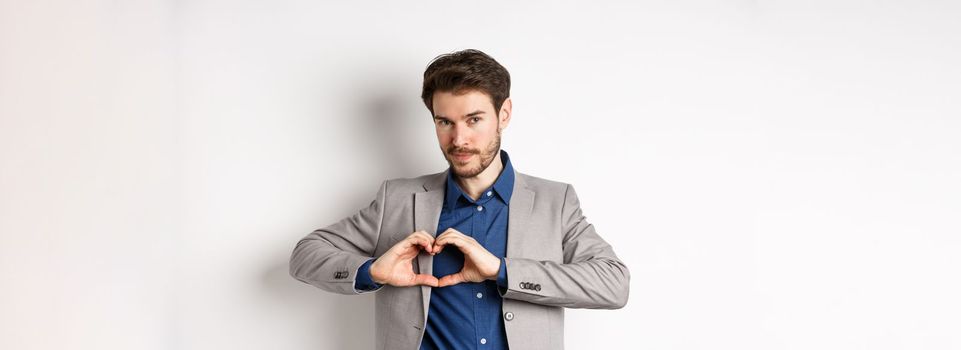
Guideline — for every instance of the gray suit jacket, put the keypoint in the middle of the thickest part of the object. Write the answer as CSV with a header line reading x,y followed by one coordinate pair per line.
x,y
555,259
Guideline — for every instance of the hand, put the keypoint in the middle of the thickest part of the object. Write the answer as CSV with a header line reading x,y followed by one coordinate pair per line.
x,y
396,267
479,264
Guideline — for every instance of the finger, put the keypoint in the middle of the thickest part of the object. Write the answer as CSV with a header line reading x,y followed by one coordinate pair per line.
x,y
449,232
438,247
419,241
451,279
442,235
451,235
427,280
427,237
441,242
423,234
457,241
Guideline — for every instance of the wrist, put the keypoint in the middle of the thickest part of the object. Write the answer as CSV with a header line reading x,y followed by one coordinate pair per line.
x,y
496,271
374,273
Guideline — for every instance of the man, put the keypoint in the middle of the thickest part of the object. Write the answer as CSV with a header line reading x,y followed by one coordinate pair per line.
x,y
478,256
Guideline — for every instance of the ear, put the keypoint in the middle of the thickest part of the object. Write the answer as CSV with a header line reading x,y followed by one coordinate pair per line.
x,y
505,113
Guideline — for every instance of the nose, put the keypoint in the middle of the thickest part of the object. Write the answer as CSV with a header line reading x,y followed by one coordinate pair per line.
x,y
461,136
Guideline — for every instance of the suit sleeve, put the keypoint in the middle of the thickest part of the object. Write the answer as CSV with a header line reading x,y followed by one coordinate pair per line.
x,y
591,275
329,258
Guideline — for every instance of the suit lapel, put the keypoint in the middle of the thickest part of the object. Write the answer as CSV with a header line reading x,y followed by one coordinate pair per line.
x,y
519,213
427,207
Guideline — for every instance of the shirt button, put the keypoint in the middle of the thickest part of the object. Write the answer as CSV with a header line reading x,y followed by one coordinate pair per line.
x,y
483,340
509,316
489,193
480,208
480,295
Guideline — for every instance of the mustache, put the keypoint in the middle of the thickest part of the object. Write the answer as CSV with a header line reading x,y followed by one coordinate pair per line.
x,y
452,150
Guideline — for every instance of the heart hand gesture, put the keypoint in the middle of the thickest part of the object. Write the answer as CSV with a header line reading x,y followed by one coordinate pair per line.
x,y
479,264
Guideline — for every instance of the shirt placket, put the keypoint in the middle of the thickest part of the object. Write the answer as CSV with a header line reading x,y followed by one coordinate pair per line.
x,y
479,225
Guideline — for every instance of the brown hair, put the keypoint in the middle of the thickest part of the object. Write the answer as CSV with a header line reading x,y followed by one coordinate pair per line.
x,y
463,71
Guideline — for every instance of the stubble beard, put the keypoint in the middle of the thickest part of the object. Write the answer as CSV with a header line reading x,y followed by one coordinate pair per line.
x,y
486,158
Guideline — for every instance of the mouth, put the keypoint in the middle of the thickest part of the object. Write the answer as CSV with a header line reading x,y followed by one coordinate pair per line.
x,y
462,156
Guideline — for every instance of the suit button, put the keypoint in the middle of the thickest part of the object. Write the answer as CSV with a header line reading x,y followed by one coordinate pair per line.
x,y
509,316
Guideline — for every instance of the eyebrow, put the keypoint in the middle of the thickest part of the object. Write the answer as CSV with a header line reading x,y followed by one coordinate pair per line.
x,y
468,115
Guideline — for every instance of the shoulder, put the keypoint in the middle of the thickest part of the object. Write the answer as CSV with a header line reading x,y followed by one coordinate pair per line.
x,y
407,185
544,187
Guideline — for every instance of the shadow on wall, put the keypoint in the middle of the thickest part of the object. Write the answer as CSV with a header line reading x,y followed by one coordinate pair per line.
x,y
335,321
379,131
394,133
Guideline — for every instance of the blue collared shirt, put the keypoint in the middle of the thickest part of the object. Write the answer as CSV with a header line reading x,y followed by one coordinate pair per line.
x,y
467,315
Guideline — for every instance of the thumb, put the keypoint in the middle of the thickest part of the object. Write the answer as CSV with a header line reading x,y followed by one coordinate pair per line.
x,y
451,279
426,280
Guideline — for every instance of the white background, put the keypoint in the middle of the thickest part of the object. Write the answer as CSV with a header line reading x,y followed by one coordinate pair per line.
x,y
776,174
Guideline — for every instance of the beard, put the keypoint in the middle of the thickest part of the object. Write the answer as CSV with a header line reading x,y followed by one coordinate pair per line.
x,y
466,170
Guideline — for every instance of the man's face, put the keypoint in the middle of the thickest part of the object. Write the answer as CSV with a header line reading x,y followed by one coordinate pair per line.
x,y
468,130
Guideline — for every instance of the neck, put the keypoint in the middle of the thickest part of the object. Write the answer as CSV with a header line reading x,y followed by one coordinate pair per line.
x,y
474,186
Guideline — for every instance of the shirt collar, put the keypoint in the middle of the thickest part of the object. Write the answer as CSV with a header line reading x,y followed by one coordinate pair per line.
x,y
503,186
